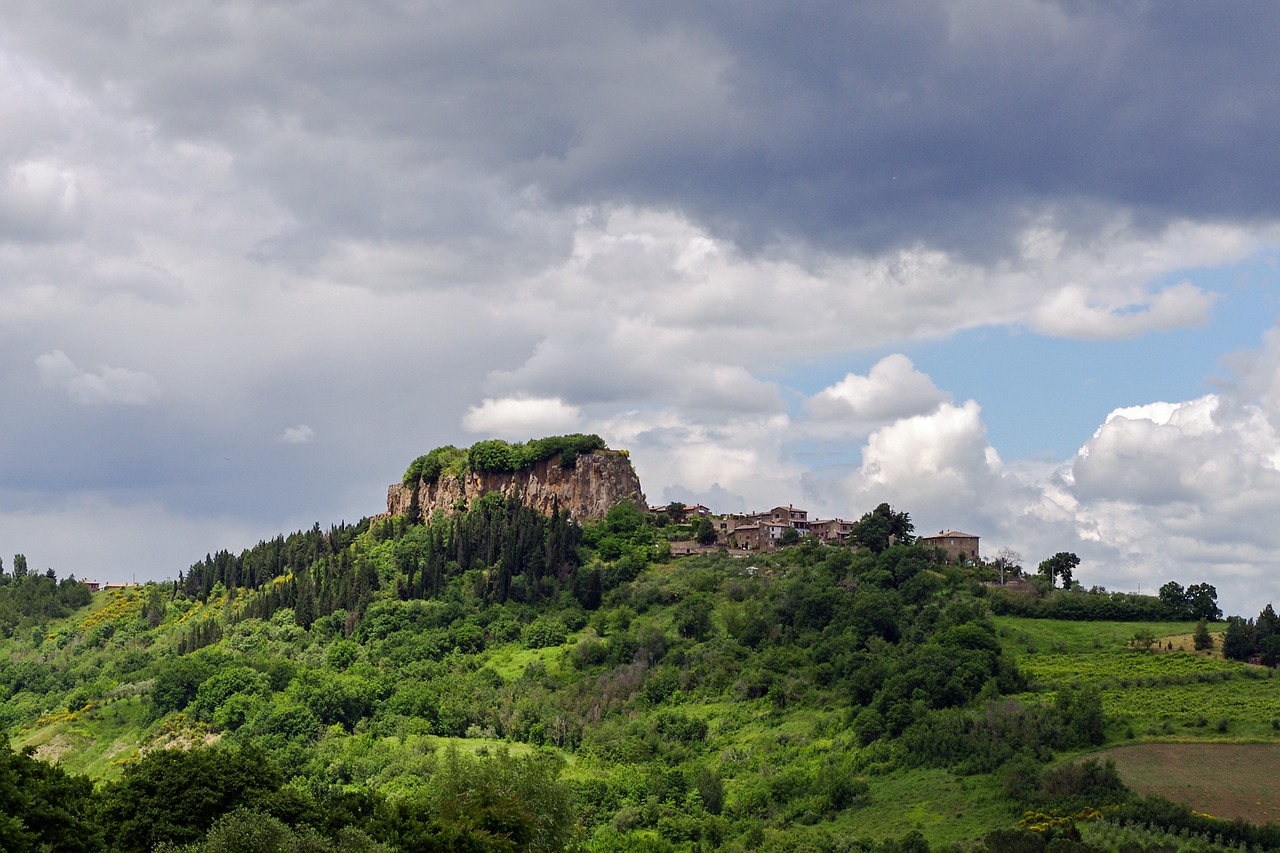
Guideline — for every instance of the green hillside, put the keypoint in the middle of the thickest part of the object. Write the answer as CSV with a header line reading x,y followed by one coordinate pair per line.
x,y
499,680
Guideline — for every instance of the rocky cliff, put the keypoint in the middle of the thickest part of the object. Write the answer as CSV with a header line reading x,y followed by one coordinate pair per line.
x,y
588,489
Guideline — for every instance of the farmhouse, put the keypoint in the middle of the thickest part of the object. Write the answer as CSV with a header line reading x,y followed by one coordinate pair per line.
x,y
957,546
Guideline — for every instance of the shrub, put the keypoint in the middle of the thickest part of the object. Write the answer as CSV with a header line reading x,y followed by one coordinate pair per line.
x,y
543,632
493,455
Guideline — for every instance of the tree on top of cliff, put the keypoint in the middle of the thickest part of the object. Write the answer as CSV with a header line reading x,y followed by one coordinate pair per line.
x,y
428,467
497,455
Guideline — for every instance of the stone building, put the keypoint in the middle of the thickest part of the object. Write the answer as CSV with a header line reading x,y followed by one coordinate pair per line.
x,y
956,545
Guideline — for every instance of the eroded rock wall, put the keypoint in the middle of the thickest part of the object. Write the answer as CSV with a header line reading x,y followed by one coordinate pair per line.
x,y
588,489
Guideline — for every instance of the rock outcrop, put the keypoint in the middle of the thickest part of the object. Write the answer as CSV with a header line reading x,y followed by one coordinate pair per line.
x,y
587,489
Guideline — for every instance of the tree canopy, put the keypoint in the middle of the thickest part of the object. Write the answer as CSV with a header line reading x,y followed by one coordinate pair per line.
x,y
497,455
882,527
1061,565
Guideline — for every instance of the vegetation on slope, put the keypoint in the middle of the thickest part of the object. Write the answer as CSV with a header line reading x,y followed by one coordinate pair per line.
x,y
496,680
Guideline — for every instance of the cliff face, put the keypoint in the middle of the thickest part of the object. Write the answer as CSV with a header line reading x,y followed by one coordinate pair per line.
x,y
595,483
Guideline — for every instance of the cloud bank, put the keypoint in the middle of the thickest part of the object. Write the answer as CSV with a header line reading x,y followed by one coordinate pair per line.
x,y
718,234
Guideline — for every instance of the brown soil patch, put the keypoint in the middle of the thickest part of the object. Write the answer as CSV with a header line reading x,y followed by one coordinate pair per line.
x,y
1226,780
53,749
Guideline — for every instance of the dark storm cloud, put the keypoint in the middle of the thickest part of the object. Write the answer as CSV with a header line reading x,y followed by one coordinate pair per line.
x,y
846,126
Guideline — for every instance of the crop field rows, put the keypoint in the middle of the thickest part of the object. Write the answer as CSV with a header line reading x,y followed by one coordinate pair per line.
x,y
1167,694
1126,669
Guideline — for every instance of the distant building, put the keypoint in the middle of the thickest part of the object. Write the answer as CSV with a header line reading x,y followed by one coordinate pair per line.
x,y
690,510
834,531
92,586
956,545
759,530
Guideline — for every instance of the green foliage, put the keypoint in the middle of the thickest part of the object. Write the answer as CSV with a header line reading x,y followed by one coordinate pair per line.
x,y
175,795
567,447
882,527
179,679
43,808
702,702
222,685
704,532
1061,565
248,829
1198,601
429,467
503,803
1077,604
496,455
543,632
1202,639
31,600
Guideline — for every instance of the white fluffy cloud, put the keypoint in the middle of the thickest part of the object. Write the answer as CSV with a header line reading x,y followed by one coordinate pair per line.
x,y
892,389
522,417
939,466
1076,313
299,434
109,385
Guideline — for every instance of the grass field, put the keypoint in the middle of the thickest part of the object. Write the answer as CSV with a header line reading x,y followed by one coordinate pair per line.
x,y
1056,636
1226,780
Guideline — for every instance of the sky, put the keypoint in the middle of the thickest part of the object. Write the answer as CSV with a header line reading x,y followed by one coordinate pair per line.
x,y
1009,266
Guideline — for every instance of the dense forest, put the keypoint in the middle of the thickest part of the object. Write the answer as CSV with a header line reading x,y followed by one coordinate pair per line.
x,y
494,679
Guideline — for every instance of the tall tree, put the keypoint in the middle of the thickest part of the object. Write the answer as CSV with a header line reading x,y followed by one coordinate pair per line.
x,y
1202,639
1202,600
882,527
705,534
1061,564
42,807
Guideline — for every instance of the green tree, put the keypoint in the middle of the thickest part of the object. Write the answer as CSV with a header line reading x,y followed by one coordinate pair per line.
x,y
1202,601
711,789
304,607
19,566
154,609
1238,643
1202,639
693,616
1061,564
882,527
44,808
1174,598
705,532
493,455
1143,639
175,795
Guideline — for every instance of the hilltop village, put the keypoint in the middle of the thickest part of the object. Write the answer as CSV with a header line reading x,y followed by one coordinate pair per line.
x,y
745,533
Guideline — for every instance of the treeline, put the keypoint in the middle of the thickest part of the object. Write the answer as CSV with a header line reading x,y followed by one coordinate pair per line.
x,y
499,455
204,800
1254,639
33,599
510,551
1098,605
268,560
